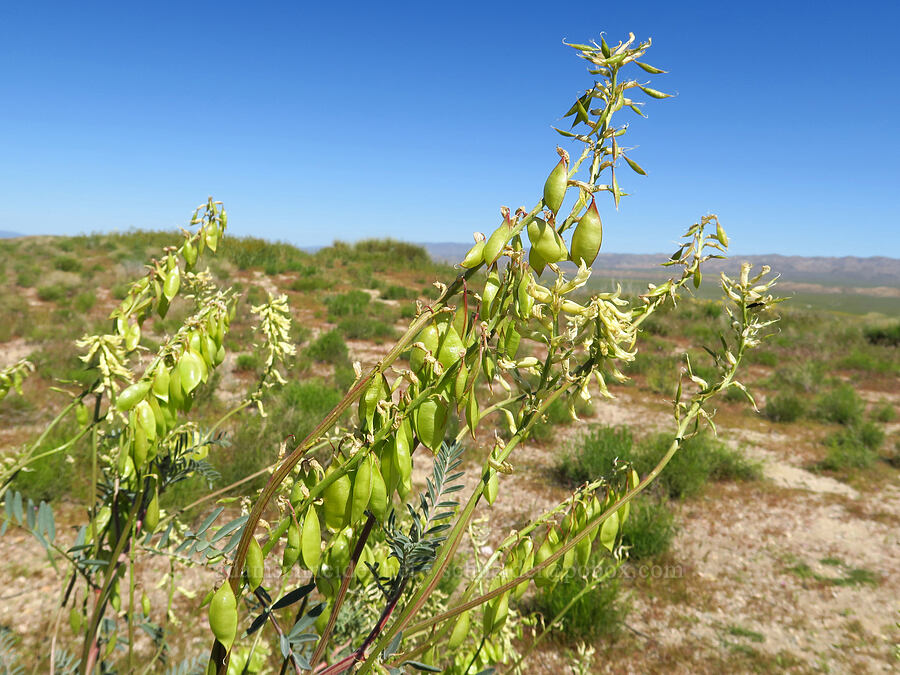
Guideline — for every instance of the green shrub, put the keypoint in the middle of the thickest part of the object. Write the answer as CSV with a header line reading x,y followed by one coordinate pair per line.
x,y
85,301
853,448
352,303
395,292
649,529
784,407
886,335
804,377
247,362
52,292
700,459
366,328
762,357
596,454
67,263
841,405
598,612
884,413
328,348
311,283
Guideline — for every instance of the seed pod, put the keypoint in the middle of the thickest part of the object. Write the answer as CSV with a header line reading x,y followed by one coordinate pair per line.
x,y
497,241
151,515
491,487
132,336
378,502
431,422
190,369
525,558
339,553
223,615
82,414
608,531
336,500
172,284
130,396
472,414
176,393
536,261
451,347
430,338
511,341
495,610
403,463
720,235
326,582
491,287
311,539
475,255
368,402
292,547
524,301
546,243
459,385
161,383
254,564
460,631
212,237
139,447
546,576
698,277
489,366
362,489
587,237
76,620
555,186
144,418
189,251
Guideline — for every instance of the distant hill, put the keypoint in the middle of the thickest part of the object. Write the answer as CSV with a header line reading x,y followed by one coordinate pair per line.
x,y
845,271
6,234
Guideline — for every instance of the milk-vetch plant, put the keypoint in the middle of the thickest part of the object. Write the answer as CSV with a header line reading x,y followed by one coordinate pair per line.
x,y
508,349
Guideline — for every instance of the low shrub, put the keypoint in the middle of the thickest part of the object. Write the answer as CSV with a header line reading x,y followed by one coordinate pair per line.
x,y
885,335
557,414
67,263
650,528
328,348
247,362
841,405
596,454
85,301
395,292
347,304
784,406
366,328
884,413
852,448
52,292
598,612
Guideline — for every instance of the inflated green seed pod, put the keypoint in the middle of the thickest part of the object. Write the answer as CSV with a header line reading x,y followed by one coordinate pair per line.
x,y
212,237
339,552
536,261
132,337
491,287
497,241
587,237
362,489
430,420
336,501
190,371
76,620
292,547
460,382
189,251
223,615
82,414
161,383
430,338
491,487
139,447
608,531
472,413
145,603
451,347
489,366
524,301
368,402
547,575
378,503
555,186
144,417
403,464
475,255
159,416
460,631
525,558
254,564
548,245
511,341
327,580
172,284
132,395
311,539
495,610
151,515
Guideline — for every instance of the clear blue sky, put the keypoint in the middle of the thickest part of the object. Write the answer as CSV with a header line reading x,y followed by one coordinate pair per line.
x,y
317,121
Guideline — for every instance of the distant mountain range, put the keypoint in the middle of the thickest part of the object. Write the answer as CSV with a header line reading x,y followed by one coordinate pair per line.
x,y
6,234
845,271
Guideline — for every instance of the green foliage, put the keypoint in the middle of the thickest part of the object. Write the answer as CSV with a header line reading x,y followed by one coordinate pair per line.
x,y
67,263
595,456
395,292
854,447
273,257
247,362
84,302
52,292
366,328
328,348
600,612
347,304
884,413
650,528
558,414
785,406
841,405
885,335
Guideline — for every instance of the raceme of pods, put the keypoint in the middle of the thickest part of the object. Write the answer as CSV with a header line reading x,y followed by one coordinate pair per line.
x,y
520,340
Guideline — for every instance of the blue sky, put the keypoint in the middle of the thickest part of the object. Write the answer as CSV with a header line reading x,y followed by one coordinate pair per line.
x,y
324,121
